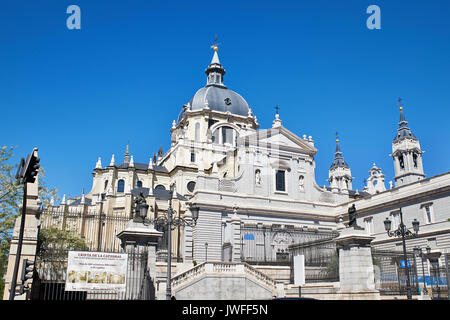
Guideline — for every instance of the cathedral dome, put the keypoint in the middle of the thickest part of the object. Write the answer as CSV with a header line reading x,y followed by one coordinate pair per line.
x,y
219,98
215,95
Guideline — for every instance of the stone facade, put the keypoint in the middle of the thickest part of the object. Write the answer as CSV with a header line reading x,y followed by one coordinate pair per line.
x,y
239,176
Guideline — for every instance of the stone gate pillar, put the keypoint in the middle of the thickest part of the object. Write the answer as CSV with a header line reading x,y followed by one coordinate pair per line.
x,y
356,273
236,223
30,237
136,238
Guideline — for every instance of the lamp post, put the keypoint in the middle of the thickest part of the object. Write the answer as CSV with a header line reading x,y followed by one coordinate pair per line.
x,y
418,252
206,251
404,233
165,220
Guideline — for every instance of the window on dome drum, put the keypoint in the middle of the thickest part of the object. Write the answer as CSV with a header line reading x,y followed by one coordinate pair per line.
x,y
227,135
280,184
215,136
224,135
197,131
139,184
120,185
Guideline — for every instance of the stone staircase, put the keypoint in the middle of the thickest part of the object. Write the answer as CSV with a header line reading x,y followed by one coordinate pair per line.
x,y
224,280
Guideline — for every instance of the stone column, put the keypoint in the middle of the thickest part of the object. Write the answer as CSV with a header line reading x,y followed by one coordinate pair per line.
x,y
236,223
137,237
356,273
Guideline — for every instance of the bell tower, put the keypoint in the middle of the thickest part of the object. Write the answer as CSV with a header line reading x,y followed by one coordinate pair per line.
x,y
339,175
406,153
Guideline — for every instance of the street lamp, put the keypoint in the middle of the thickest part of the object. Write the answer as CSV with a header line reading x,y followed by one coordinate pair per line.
x,y
165,220
404,233
418,252
206,251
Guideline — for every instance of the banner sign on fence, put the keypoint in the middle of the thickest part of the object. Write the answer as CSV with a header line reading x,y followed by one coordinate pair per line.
x,y
299,270
91,271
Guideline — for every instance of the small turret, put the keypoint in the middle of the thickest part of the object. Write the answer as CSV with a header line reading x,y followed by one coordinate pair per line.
x,y
406,153
340,175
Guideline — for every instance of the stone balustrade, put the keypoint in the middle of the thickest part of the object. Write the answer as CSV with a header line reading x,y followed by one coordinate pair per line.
x,y
223,268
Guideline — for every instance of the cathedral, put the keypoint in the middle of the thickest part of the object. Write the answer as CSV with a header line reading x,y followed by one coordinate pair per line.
x,y
256,190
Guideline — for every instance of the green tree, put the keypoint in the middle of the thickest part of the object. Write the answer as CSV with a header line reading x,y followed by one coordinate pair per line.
x,y
10,201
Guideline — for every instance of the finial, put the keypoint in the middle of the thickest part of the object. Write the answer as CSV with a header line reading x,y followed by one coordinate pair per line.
x,y
112,161
98,165
277,121
400,104
215,46
83,199
337,136
131,161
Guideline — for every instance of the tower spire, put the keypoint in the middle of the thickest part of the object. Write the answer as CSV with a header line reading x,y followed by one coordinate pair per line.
x,y
338,158
403,130
406,153
215,70
339,174
127,154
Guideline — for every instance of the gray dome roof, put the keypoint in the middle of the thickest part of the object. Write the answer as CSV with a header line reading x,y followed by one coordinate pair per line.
x,y
219,98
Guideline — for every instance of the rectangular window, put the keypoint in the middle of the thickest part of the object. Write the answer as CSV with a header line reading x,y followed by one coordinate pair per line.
x,y
395,220
280,180
369,225
428,214
227,135
192,157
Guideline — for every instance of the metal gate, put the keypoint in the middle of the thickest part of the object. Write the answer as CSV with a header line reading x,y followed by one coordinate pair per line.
x,y
391,272
50,277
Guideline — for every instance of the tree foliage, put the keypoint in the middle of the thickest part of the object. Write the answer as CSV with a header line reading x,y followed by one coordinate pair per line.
x,y
60,239
11,195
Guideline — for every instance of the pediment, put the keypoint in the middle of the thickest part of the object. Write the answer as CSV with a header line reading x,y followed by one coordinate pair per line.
x,y
279,138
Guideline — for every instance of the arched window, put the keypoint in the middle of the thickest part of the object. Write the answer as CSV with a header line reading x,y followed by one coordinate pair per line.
x,y
120,185
160,187
224,135
106,184
139,184
197,132
415,160
402,163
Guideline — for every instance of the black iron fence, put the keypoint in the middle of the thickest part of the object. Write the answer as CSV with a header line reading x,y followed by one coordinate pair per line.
x,y
83,230
51,272
271,245
98,230
390,272
321,259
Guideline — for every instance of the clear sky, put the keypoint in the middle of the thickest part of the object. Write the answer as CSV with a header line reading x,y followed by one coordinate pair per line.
x,y
82,94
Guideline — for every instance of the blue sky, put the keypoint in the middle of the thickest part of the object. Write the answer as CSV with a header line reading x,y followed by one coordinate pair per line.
x,y
82,94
